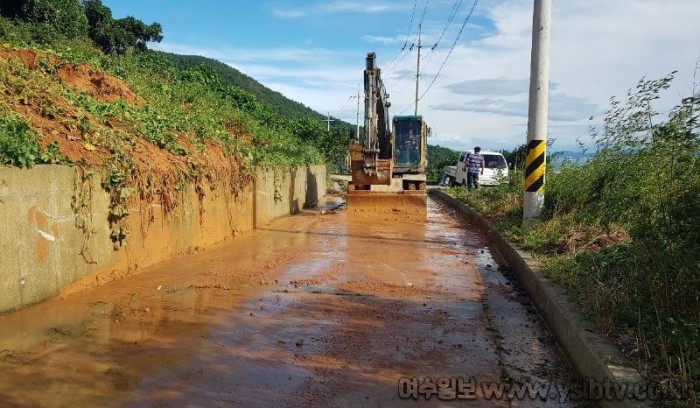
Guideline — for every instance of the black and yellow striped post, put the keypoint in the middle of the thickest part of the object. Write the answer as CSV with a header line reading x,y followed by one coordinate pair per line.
x,y
538,110
535,165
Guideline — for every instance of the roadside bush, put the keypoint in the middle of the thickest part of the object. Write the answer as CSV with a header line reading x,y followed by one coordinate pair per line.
x,y
645,177
622,231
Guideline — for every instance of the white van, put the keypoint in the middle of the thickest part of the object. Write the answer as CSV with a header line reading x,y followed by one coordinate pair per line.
x,y
495,169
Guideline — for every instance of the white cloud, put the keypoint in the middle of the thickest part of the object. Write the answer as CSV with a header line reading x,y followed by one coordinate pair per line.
x,y
490,86
280,13
600,48
378,39
563,108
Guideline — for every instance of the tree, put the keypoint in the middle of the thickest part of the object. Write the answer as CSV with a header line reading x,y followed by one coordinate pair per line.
x,y
117,36
140,34
64,17
516,157
11,8
439,157
96,13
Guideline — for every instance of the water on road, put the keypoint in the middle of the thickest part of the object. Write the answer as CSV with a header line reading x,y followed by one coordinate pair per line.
x,y
312,310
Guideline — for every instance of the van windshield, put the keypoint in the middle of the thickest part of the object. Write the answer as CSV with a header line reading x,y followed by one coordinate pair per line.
x,y
495,161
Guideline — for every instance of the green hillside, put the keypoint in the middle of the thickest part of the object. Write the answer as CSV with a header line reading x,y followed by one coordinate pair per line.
x,y
439,157
279,103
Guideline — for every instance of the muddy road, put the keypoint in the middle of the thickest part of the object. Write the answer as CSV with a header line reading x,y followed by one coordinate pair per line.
x,y
312,310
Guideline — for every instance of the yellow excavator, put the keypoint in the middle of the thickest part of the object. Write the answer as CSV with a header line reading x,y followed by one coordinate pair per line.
x,y
388,165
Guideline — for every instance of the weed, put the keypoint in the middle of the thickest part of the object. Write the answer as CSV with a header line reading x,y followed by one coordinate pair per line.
x,y
18,143
622,231
51,155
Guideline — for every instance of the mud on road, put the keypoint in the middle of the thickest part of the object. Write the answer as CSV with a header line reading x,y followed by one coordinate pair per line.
x,y
312,310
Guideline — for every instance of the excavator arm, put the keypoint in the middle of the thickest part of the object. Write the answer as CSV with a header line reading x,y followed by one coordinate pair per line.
x,y
371,159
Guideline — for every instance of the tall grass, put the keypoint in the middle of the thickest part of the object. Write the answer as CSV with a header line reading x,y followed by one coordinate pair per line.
x,y
622,231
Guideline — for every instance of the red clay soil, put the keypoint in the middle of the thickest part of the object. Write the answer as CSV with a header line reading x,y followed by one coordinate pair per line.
x,y
152,165
101,86
28,56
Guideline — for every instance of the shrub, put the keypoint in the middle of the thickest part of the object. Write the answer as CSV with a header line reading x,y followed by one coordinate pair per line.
x,y
18,144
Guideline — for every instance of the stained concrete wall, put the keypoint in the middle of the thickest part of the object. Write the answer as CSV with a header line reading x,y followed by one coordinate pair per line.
x,y
43,249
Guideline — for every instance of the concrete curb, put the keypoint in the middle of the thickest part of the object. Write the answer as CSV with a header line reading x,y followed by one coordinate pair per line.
x,y
592,355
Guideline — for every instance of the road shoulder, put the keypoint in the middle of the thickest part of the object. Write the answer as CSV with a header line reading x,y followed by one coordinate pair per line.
x,y
593,356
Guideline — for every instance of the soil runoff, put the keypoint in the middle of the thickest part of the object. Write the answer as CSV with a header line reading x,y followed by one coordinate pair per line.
x,y
311,310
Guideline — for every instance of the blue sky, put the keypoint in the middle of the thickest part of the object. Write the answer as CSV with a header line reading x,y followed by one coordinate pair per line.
x,y
313,52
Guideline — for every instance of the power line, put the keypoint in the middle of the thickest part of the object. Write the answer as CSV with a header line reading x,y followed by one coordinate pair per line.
x,y
408,34
344,107
329,120
453,13
428,57
404,110
466,20
450,19
407,72
408,83
390,68
422,17
399,79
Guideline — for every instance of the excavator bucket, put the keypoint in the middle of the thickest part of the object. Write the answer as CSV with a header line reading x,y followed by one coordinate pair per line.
x,y
410,204
380,174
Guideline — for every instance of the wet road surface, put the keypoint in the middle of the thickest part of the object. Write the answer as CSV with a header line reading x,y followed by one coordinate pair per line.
x,y
312,310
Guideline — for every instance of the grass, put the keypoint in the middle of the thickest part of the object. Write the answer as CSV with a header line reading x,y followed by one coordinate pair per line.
x,y
622,233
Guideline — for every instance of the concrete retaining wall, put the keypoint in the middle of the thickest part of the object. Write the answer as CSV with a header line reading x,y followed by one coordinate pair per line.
x,y
43,248
593,356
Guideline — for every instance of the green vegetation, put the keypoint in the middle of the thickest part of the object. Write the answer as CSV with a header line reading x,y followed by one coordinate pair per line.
x,y
305,122
19,145
622,232
439,157
231,76
194,96
48,21
80,87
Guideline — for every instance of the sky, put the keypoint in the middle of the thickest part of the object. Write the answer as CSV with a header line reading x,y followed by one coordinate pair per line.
x,y
473,84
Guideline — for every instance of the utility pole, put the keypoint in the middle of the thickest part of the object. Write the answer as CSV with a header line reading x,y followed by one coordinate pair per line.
x,y
538,110
329,120
357,120
420,45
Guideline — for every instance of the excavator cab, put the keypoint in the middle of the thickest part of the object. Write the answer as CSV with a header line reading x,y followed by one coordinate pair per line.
x,y
410,149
